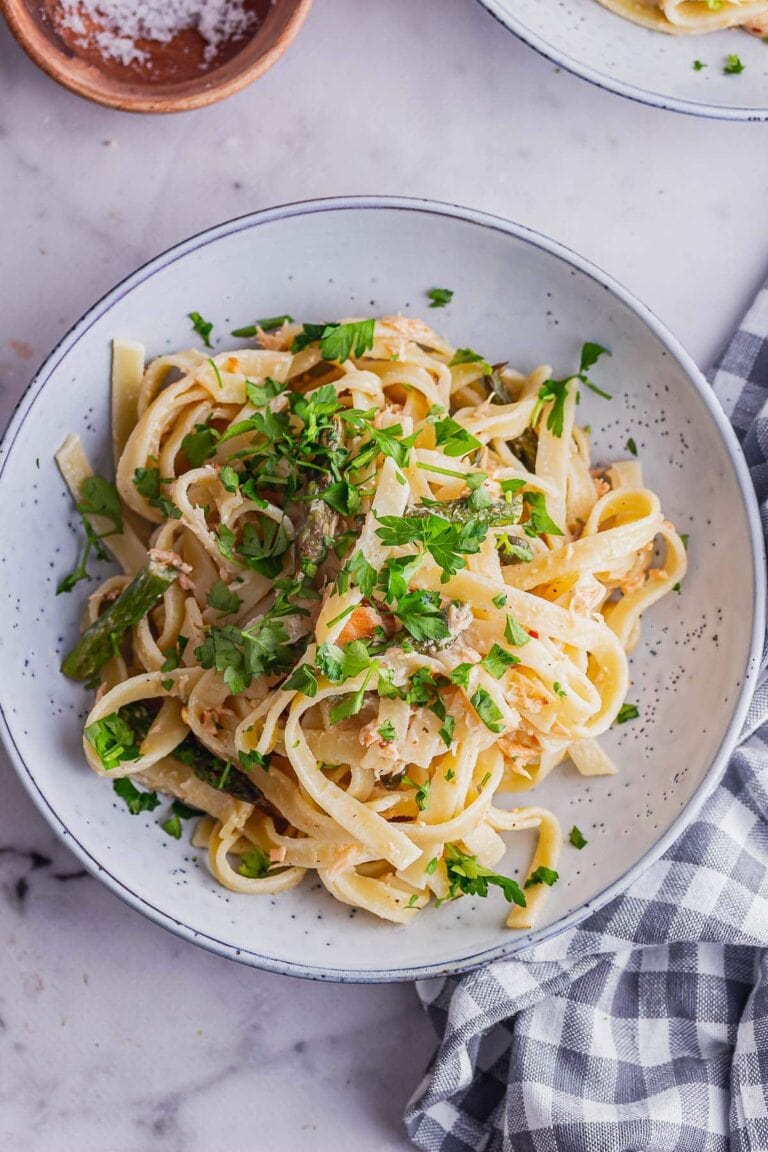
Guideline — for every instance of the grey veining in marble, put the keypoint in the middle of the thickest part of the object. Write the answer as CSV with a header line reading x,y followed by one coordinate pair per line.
x,y
114,1036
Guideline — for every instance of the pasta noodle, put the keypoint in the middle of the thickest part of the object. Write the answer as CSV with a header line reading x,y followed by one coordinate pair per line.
x,y
370,587
681,17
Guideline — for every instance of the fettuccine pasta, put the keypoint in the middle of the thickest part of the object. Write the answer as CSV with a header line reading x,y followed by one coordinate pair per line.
x,y
681,17
372,594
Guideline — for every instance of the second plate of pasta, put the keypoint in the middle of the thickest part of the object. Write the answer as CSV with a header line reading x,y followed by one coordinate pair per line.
x,y
392,656
707,59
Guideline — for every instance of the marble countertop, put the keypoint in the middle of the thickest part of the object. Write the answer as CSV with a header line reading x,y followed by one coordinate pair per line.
x,y
115,1036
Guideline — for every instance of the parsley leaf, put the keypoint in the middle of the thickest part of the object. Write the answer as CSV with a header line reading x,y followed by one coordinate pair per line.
x,y
240,655
539,521
542,875
421,615
440,297
460,675
469,356
98,497
351,704
202,327
576,838
515,633
487,710
698,65
498,660
171,826
135,801
113,740
387,731
148,483
631,446
733,65
422,793
337,341
303,679
467,875
223,599
627,712
446,542
454,439
255,863
260,394
447,730
197,446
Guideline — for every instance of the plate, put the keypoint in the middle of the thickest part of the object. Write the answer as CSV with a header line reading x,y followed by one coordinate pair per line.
x,y
648,66
518,296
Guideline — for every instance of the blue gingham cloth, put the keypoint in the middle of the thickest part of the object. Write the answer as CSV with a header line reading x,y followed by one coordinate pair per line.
x,y
646,1028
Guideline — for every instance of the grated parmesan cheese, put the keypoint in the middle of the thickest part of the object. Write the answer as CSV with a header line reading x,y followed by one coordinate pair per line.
x,y
114,26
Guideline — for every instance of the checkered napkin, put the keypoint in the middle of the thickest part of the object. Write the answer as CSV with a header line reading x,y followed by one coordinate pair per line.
x,y
646,1028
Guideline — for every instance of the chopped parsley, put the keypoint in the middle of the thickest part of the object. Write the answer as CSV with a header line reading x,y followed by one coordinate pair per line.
x,y
171,826
113,740
446,542
422,793
698,65
446,731
387,731
440,297
263,649
197,446
337,341
460,675
260,394
148,483
558,689
454,439
576,838
98,497
539,521
627,712
555,392
468,876
202,327
733,65
542,875
498,661
631,446
254,864
351,704
469,356
487,710
514,632
303,679
223,599
135,801
431,866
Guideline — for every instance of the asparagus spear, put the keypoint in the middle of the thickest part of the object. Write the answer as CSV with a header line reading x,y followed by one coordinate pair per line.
x,y
97,643
525,446
496,514
321,521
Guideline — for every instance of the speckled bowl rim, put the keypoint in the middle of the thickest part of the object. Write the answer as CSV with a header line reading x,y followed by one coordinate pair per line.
x,y
515,943
608,83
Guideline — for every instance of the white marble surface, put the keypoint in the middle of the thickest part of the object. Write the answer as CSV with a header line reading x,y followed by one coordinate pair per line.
x,y
113,1035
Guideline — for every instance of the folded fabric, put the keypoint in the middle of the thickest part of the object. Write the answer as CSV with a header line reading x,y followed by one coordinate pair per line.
x,y
645,1029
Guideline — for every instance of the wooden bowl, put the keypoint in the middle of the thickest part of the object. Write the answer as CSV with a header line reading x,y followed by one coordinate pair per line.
x,y
170,77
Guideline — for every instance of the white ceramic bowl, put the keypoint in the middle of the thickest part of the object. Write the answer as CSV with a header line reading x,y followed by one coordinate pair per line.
x,y
652,67
517,295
